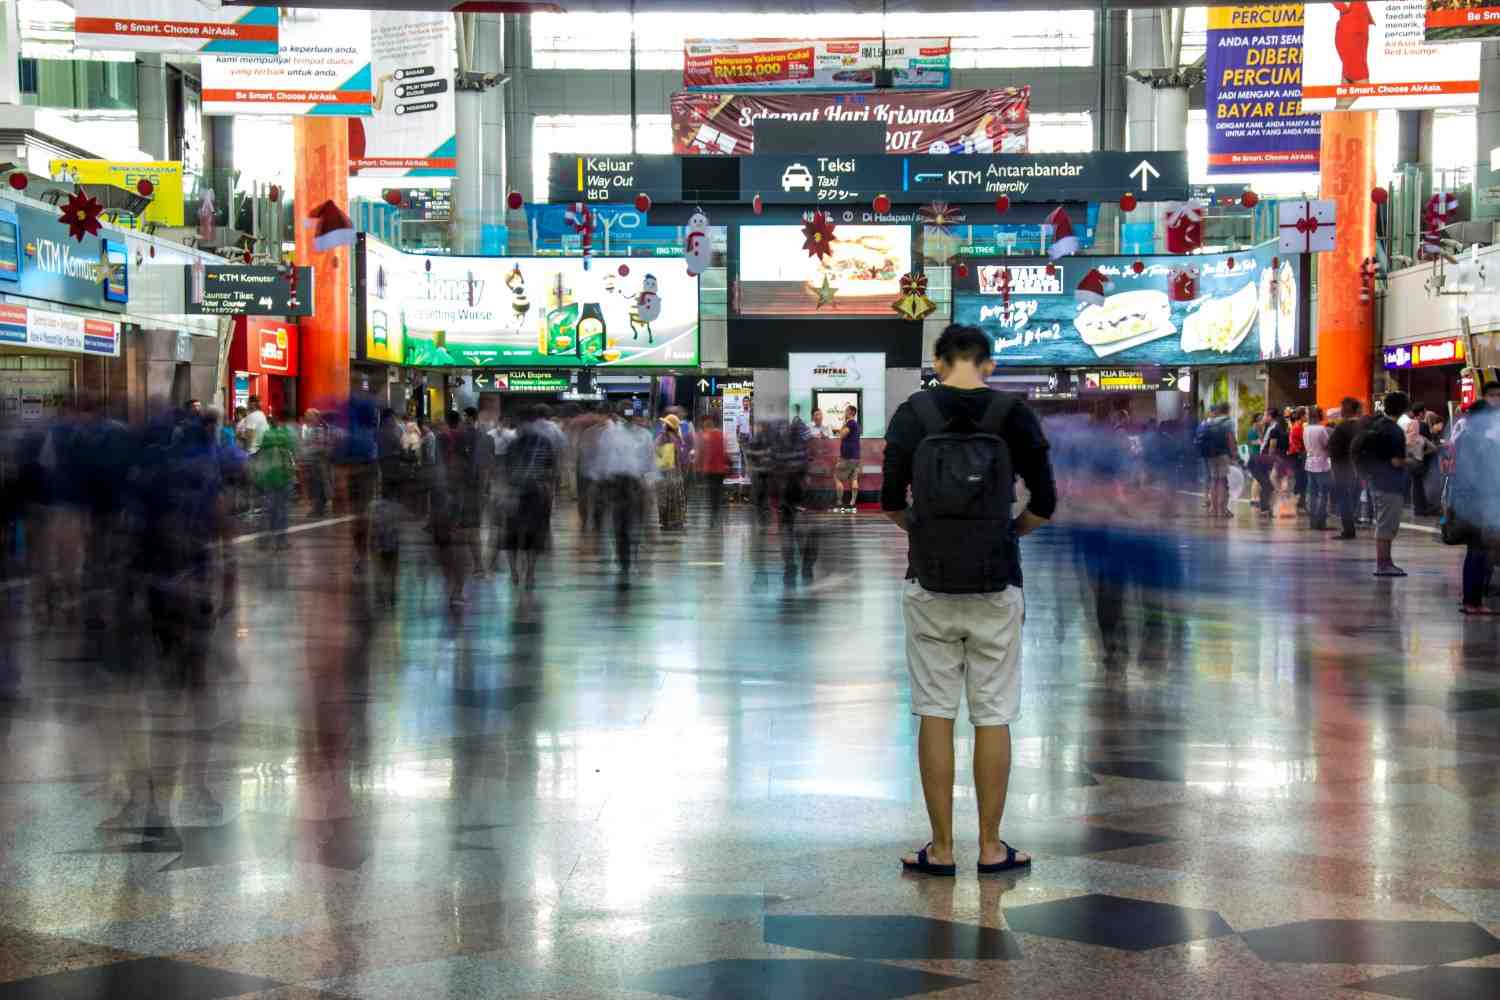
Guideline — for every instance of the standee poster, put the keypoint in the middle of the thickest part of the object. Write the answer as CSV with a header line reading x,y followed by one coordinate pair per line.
x,y
828,64
412,131
1360,56
1254,88
321,68
949,121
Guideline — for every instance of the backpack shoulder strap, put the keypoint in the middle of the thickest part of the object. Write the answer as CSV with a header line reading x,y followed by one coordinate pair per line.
x,y
928,413
996,413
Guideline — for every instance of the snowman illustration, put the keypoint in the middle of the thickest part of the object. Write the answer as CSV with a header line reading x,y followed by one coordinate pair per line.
x,y
646,310
698,247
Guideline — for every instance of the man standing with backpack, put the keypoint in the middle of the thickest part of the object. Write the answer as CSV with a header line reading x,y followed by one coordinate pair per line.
x,y
1380,453
959,447
1215,441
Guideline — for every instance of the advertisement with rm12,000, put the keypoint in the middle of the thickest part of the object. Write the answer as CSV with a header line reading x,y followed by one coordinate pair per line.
x,y
526,312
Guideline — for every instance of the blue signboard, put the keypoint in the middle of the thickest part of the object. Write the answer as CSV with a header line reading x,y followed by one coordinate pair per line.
x,y
619,227
54,267
1205,309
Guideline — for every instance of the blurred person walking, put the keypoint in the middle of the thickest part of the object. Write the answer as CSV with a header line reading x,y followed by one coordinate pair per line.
x,y
671,491
274,468
531,470
314,450
1475,498
1341,462
1318,468
627,464
1380,453
713,467
1215,443
1297,456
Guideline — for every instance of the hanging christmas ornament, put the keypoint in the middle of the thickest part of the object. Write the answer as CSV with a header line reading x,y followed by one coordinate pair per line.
x,y
624,270
1229,263
514,200
1093,288
1249,199
274,193
913,304
1138,267
824,293
961,270
1184,222
1182,286
941,216
80,214
393,197
581,218
144,187
1369,270
643,202
698,246
1379,195
818,236
247,257
18,181
332,228
1002,204
1051,269
756,205
1063,242
882,204
1275,263
1127,202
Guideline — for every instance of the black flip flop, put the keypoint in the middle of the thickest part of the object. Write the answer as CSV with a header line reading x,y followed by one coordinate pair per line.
x,y
924,867
1009,864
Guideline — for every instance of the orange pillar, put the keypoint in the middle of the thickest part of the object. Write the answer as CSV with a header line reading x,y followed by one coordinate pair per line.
x,y
1346,326
321,146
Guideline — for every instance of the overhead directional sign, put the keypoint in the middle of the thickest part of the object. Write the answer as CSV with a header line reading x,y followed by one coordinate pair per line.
x,y
1046,176
248,290
824,180
614,178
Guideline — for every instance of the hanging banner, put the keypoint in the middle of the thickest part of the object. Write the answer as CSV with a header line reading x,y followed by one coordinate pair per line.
x,y
24,326
787,64
949,121
200,26
413,131
321,68
1254,91
1462,20
1361,56
165,177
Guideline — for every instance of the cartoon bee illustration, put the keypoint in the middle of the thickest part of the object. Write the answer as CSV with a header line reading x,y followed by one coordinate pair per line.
x,y
520,305
646,310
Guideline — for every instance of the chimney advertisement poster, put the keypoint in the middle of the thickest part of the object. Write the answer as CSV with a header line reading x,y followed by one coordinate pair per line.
x,y
917,121
413,131
1362,56
200,27
827,64
1204,309
321,68
1254,91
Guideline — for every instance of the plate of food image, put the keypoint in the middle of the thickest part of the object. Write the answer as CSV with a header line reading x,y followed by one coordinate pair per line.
x,y
1221,323
1125,320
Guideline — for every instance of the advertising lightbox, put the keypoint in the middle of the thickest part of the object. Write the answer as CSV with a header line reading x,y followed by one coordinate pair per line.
x,y
861,277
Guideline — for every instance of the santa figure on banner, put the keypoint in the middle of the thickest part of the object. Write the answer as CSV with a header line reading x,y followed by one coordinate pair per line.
x,y
1184,226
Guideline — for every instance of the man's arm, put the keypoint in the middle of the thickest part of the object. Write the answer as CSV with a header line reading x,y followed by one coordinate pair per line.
x,y
901,440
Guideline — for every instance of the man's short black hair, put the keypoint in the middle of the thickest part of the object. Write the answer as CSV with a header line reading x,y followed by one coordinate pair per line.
x,y
1396,404
1350,406
452,418
960,342
1221,408
472,412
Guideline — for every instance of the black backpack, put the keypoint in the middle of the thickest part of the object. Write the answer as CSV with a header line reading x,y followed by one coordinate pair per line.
x,y
963,485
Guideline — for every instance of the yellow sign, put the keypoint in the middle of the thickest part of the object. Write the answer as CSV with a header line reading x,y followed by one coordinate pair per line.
x,y
165,177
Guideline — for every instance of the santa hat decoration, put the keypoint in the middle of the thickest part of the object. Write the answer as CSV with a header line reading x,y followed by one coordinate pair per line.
x,y
1063,241
1092,289
332,228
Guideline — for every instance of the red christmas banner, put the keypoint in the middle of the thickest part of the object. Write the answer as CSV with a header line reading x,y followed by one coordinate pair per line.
x,y
949,121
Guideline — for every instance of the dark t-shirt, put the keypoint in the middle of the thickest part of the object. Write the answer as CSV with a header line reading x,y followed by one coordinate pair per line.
x,y
1278,439
1340,448
849,446
1385,441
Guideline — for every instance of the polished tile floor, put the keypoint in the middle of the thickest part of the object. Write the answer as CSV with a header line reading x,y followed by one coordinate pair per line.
x,y
1272,777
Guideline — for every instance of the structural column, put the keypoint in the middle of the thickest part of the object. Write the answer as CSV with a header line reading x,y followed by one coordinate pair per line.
x,y
321,147
1487,128
151,104
1346,326
1145,54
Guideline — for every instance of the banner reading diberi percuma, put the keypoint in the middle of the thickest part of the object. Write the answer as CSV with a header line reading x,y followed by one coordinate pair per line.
x,y
948,121
201,26
789,64
413,131
1462,20
321,68
1360,56
1254,87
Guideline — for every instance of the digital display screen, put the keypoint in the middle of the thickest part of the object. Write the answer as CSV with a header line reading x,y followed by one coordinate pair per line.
x,y
861,277
10,251
116,272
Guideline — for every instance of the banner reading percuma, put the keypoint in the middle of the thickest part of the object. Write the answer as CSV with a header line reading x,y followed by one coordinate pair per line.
x,y
1254,82
950,121
1209,309
1462,20
201,26
526,311
789,64
1360,56
412,132
321,68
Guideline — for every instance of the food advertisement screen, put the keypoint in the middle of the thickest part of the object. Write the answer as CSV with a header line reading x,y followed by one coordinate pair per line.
x,y
861,277
526,311
1205,309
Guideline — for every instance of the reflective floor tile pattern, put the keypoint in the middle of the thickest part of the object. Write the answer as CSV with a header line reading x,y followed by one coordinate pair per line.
x,y
1280,779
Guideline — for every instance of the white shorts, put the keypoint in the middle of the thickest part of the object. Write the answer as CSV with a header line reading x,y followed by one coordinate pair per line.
x,y
964,642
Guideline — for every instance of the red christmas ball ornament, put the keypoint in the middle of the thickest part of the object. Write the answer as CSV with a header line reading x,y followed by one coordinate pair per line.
x,y
1229,263
1127,202
1002,204
1138,267
393,197
1051,269
1275,263
18,181
1379,195
144,187
643,202
246,257
274,193
756,205
1249,199
962,270
624,270
882,203
514,200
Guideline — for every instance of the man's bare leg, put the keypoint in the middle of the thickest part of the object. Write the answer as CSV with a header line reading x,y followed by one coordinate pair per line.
x,y
935,758
991,782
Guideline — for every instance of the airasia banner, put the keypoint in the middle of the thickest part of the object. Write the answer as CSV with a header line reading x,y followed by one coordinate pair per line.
x,y
1361,56
1462,20
1254,91
935,122
788,64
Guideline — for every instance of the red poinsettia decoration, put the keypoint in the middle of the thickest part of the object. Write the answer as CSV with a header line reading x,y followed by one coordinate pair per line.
x,y
80,214
817,236
941,216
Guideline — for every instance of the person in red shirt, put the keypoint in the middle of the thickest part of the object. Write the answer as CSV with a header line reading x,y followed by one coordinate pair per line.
x,y
713,465
1297,452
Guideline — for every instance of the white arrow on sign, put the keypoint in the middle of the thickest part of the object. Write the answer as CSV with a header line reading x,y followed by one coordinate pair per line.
x,y
703,385
1147,171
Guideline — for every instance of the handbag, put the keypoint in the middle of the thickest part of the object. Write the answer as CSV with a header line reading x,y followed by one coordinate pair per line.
x,y
1453,529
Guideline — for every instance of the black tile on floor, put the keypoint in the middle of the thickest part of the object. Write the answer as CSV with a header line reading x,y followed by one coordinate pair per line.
x,y
1373,942
1069,838
1444,982
142,977
1117,922
792,979
892,937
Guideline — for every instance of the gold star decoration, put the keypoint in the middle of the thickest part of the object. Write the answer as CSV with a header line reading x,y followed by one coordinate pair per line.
x,y
825,293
